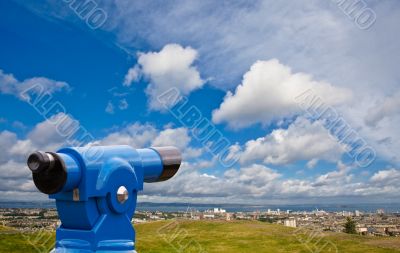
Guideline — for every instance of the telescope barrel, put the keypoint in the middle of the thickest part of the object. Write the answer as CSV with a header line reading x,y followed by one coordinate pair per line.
x,y
55,172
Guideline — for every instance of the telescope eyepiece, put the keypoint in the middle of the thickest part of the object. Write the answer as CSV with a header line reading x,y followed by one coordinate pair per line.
x,y
48,171
40,161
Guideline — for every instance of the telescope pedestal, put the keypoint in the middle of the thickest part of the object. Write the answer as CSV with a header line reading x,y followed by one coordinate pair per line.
x,y
96,189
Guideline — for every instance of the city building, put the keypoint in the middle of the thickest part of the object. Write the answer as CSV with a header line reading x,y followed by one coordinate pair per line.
x,y
290,222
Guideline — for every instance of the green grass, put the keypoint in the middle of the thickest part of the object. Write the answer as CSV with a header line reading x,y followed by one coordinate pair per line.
x,y
245,236
14,241
218,236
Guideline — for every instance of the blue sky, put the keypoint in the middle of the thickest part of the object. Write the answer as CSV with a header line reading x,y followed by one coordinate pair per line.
x,y
241,65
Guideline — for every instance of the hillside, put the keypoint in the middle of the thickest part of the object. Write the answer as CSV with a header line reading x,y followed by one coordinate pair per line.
x,y
213,236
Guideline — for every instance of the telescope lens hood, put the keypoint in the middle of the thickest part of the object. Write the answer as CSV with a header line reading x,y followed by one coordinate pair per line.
x,y
171,159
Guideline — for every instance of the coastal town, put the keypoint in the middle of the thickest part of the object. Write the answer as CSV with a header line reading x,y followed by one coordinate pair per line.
x,y
378,223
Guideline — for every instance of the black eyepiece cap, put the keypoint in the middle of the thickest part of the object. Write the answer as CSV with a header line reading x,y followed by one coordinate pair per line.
x,y
39,161
48,171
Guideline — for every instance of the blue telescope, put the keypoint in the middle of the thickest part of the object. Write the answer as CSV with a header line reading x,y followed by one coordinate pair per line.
x,y
96,189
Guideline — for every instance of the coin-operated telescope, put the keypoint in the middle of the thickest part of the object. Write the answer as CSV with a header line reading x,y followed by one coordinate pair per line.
x,y
96,189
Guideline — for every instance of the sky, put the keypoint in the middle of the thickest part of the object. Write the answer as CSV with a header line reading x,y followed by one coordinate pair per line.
x,y
269,101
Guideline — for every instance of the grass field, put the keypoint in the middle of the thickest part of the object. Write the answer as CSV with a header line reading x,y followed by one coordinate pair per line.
x,y
221,237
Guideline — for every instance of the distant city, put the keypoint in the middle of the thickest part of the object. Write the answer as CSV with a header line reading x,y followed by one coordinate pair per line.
x,y
380,222
181,207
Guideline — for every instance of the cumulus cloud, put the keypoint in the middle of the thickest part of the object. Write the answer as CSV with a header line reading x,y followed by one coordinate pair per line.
x,y
12,86
46,135
256,174
15,177
172,67
173,137
136,135
146,135
13,170
268,92
248,183
258,183
7,140
337,177
252,181
386,177
301,141
317,39
390,106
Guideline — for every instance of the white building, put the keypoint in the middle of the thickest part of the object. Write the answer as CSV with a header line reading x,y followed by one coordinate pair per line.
x,y
219,210
208,216
291,222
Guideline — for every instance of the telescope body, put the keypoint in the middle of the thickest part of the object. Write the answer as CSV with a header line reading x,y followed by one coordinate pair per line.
x,y
95,190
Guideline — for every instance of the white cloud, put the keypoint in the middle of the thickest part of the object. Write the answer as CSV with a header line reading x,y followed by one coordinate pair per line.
x,y
253,181
172,137
171,67
310,36
268,93
256,174
301,141
390,106
259,184
312,163
10,85
386,177
314,37
132,76
14,174
338,177
135,135
45,135
248,184
376,118
7,140
14,170
49,133
146,135
16,177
